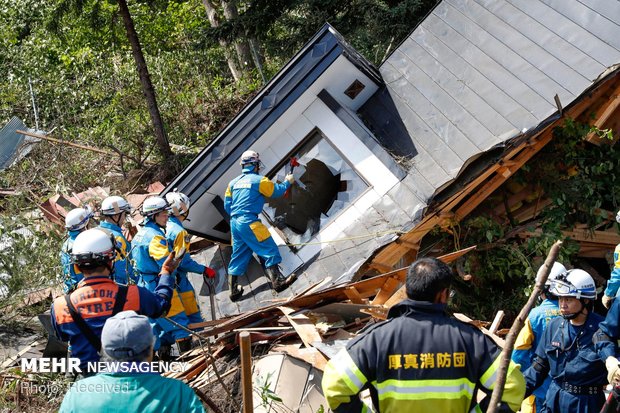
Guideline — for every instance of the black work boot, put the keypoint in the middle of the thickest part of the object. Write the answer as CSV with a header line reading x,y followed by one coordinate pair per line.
x,y
184,345
278,281
236,291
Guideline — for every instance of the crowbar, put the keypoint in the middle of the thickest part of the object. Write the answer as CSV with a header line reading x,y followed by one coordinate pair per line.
x,y
211,287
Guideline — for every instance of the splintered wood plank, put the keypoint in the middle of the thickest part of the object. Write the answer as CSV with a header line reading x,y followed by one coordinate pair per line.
x,y
401,294
353,295
496,322
604,113
498,340
302,325
387,290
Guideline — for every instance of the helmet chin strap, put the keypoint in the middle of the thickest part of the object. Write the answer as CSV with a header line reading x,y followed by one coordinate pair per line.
x,y
572,316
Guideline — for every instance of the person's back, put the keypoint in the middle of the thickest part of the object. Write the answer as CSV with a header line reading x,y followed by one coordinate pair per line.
x,y
529,336
98,297
420,359
130,392
127,343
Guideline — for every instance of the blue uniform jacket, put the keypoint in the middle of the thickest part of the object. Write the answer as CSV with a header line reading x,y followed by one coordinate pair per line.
x,y
246,194
123,266
530,335
71,274
607,336
569,360
614,280
178,238
94,299
150,249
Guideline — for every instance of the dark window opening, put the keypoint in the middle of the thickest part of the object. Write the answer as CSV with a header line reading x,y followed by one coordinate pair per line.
x,y
354,89
325,184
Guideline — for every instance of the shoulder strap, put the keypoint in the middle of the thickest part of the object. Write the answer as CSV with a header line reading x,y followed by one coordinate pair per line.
x,y
121,297
92,338
81,324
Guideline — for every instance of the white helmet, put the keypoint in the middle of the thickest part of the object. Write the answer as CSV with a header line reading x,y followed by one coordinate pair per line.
x,y
78,218
93,248
556,270
249,157
154,205
114,205
574,283
179,202
618,217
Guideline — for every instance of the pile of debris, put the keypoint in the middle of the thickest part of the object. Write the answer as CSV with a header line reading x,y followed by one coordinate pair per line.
x,y
292,340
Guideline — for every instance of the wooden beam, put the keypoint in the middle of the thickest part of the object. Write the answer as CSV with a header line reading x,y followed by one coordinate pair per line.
x,y
353,295
387,290
76,145
604,113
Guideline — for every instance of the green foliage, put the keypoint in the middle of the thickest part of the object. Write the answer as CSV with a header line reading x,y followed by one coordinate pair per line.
x,y
25,260
581,180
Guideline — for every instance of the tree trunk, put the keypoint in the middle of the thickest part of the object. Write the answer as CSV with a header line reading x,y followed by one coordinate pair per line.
x,y
242,47
145,80
215,22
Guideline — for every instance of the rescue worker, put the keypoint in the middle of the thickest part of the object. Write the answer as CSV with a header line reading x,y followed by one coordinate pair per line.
x,y
150,249
614,280
76,221
420,359
530,334
179,240
114,210
127,338
566,352
78,317
243,201
605,341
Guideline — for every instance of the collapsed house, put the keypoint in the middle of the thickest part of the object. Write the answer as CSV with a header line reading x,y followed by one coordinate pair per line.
x,y
388,154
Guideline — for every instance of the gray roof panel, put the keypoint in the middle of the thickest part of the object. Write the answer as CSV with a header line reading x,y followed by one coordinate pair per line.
x,y
590,17
598,49
503,79
490,104
526,72
556,45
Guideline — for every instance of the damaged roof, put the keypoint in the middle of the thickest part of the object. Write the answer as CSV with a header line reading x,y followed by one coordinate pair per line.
x,y
262,111
470,79
474,74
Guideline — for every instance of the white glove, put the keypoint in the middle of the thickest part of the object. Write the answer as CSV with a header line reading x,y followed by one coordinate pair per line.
x,y
613,370
290,178
607,301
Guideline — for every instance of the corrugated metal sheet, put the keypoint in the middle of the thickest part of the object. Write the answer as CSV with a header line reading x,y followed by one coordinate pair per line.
x,y
10,141
13,145
475,73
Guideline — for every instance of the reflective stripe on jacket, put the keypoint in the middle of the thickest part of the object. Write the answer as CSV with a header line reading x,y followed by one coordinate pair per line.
x,y
420,359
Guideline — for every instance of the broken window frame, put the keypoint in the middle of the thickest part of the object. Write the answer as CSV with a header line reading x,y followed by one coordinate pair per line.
x,y
279,171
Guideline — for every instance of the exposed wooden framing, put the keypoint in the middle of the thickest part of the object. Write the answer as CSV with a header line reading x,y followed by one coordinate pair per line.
x,y
353,295
604,113
488,181
302,325
391,284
